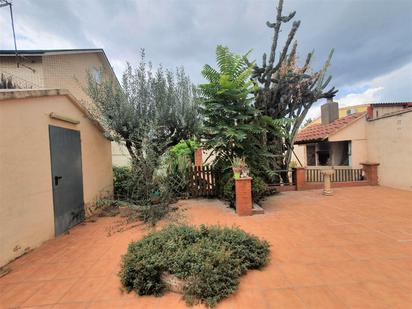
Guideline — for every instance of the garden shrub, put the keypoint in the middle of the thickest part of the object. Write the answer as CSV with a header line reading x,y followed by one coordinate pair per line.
x,y
210,260
229,190
259,188
122,176
175,168
185,148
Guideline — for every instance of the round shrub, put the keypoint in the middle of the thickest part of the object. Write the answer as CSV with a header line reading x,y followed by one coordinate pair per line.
x,y
122,180
209,259
259,188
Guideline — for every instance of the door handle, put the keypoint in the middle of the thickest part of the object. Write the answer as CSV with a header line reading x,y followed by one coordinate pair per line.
x,y
56,180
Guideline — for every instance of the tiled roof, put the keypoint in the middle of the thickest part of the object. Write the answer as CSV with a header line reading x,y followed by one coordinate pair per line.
x,y
318,132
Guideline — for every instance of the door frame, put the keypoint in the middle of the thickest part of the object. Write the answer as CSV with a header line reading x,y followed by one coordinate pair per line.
x,y
52,177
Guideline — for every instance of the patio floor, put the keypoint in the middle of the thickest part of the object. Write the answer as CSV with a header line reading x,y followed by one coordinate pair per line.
x,y
350,250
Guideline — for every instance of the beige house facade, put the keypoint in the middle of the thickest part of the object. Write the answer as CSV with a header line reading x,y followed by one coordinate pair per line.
x,y
390,145
29,186
381,134
60,69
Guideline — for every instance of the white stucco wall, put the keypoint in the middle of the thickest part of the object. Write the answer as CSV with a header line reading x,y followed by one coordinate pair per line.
x,y
356,133
390,145
26,193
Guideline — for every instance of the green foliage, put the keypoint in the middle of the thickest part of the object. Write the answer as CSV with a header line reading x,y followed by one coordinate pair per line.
x,y
227,107
185,148
176,173
229,190
259,188
158,106
149,112
233,127
173,173
121,181
209,259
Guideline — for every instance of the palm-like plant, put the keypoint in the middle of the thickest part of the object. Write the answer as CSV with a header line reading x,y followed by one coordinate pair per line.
x,y
228,104
232,126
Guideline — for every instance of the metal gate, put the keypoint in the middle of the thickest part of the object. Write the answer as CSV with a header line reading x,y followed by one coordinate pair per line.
x,y
67,180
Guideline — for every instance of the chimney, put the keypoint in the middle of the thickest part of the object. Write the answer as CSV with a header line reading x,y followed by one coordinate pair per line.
x,y
329,111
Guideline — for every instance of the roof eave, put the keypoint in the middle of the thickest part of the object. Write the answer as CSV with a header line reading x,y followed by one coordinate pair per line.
x,y
12,94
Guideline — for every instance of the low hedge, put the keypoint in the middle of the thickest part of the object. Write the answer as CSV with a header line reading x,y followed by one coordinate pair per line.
x,y
210,260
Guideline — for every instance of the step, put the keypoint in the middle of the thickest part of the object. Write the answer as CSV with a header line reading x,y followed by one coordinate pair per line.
x,y
257,210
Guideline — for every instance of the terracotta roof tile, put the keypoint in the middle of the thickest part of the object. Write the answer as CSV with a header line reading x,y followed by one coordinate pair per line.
x,y
318,132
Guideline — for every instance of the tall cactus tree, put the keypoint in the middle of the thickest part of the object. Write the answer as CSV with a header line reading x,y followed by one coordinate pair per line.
x,y
287,90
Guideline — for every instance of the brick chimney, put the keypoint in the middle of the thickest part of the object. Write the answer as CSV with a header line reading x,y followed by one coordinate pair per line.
x,y
329,111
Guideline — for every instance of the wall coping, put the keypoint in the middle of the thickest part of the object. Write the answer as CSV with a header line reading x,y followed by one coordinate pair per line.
x,y
370,163
244,179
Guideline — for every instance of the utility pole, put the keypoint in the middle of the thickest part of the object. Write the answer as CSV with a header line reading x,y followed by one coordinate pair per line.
x,y
4,3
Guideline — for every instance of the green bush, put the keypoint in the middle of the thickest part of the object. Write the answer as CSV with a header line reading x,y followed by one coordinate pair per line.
x,y
122,176
209,259
259,188
229,190
173,173
185,148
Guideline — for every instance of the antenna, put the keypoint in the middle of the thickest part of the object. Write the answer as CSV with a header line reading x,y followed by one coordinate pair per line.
x,y
4,3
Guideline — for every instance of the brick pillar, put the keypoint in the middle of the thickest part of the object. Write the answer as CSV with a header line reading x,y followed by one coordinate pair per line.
x,y
300,178
198,157
370,112
244,202
371,173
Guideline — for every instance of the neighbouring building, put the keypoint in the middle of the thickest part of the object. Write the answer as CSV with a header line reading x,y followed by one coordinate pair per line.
x,y
55,162
345,111
381,134
60,69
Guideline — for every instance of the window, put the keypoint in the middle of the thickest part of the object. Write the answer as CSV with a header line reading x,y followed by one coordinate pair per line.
x,y
311,155
97,75
323,153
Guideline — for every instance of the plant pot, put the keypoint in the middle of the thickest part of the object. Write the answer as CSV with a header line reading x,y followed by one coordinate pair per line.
x,y
155,200
236,172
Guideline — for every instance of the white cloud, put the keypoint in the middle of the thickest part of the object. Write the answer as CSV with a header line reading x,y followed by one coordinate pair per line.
x,y
34,39
394,86
368,96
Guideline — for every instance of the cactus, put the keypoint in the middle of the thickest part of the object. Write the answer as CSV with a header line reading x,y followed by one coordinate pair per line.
x,y
286,90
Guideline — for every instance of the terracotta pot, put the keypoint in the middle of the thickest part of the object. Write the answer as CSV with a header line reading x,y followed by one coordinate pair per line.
x,y
236,172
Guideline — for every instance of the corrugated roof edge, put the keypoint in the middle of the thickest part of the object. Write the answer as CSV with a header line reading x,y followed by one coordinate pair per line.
x,y
405,103
13,94
406,110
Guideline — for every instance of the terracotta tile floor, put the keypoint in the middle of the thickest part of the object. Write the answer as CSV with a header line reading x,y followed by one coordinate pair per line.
x,y
350,250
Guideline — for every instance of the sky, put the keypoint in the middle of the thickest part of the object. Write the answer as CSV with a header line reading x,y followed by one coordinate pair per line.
x,y
372,38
